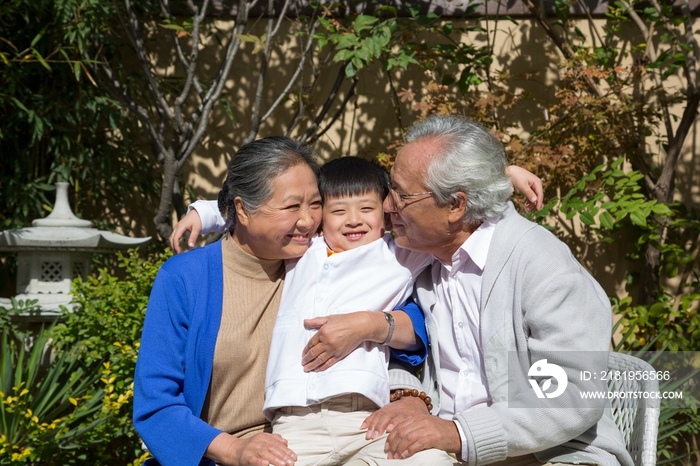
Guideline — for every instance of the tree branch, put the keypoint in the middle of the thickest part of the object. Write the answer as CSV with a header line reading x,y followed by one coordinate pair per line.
x,y
651,51
158,98
691,59
201,115
165,8
257,101
197,18
294,77
664,184
561,44
327,104
350,93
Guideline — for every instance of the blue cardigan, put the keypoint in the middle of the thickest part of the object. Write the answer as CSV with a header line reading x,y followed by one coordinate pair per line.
x,y
177,354
176,357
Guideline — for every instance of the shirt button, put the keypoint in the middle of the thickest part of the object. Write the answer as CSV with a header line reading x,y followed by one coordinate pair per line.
x,y
464,373
325,266
460,324
318,300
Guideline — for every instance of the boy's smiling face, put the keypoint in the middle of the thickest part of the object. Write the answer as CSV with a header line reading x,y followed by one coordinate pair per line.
x,y
352,221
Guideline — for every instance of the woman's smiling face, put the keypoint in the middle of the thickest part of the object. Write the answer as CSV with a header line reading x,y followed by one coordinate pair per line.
x,y
283,226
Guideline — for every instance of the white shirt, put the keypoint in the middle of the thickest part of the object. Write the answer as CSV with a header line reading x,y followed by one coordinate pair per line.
x,y
209,215
377,276
457,313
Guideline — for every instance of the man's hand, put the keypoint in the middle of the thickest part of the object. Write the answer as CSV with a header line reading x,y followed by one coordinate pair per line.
x,y
338,335
190,222
259,450
422,432
386,418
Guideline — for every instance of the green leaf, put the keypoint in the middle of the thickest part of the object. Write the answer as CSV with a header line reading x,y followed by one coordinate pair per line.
x,y
661,209
344,55
383,35
350,70
363,54
178,28
19,104
587,218
638,218
363,22
347,40
372,46
357,63
38,37
246,37
41,59
606,220
414,10
387,9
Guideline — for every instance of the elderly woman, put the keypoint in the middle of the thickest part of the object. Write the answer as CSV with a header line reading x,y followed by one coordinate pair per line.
x,y
201,369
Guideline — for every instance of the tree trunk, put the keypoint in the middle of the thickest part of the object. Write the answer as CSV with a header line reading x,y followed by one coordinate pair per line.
x,y
162,218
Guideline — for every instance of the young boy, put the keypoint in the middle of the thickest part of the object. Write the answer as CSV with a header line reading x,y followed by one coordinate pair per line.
x,y
353,266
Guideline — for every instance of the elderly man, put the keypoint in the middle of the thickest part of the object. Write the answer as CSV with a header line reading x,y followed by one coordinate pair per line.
x,y
499,284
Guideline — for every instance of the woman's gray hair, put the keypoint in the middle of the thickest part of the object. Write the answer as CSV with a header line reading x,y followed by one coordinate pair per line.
x,y
469,160
254,167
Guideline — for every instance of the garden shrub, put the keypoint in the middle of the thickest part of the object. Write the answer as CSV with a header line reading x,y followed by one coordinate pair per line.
x,y
99,341
44,408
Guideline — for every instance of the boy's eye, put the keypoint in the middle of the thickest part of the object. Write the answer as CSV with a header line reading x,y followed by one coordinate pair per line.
x,y
338,211
367,209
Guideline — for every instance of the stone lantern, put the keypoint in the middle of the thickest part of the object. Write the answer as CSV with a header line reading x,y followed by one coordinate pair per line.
x,y
54,251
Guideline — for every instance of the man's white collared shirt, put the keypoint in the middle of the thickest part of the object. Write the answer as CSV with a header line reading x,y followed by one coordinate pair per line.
x,y
457,314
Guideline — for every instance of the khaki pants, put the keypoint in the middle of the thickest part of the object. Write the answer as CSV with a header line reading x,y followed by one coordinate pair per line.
x,y
329,433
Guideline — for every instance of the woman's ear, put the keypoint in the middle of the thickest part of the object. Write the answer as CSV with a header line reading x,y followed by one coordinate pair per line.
x,y
242,216
458,207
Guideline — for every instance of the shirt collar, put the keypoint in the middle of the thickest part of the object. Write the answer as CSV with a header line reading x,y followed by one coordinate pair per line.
x,y
476,247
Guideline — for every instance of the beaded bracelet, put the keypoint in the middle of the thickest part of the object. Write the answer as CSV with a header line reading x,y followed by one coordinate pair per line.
x,y
401,392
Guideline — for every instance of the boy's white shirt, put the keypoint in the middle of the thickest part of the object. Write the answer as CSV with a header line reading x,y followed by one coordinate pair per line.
x,y
378,277
209,215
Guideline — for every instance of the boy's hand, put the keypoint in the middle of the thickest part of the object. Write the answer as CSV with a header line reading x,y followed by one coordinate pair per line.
x,y
338,335
190,222
528,184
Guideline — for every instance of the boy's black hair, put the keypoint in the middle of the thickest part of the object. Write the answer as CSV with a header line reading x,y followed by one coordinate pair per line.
x,y
352,176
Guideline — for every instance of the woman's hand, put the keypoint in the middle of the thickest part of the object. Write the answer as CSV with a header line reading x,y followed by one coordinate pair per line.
x,y
338,335
259,450
190,222
528,184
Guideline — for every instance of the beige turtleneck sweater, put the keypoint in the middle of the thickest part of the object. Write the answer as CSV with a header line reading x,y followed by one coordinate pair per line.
x,y
252,290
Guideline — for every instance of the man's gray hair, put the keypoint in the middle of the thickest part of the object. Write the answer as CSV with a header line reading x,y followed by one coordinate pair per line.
x,y
469,160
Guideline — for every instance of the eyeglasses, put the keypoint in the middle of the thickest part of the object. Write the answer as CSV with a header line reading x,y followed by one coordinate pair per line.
x,y
400,199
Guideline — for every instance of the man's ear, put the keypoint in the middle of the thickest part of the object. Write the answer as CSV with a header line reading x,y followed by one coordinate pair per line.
x,y
242,216
458,208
